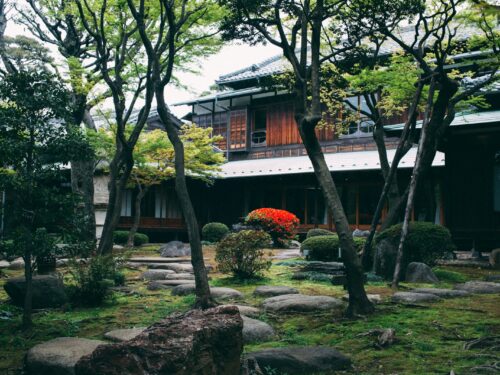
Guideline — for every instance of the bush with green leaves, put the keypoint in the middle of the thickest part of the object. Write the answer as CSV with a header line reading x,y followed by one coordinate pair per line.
x,y
94,278
214,232
318,232
426,243
242,253
120,237
325,248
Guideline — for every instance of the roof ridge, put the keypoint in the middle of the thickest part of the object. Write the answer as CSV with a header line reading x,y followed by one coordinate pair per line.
x,y
250,67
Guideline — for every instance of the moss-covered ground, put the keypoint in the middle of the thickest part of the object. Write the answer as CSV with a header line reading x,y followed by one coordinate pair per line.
x,y
430,337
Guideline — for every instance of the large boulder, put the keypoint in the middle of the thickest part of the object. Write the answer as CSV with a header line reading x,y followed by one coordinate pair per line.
x,y
205,342
58,356
274,290
385,256
256,331
300,360
300,303
174,249
494,258
479,287
417,272
48,291
217,292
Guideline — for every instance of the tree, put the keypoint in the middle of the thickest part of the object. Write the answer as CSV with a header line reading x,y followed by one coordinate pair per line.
x,y
183,30
306,31
435,40
35,143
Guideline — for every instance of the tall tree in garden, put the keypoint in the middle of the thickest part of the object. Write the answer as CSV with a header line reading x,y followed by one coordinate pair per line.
x,y
119,56
36,141
154,161
182,31
307,33
435,41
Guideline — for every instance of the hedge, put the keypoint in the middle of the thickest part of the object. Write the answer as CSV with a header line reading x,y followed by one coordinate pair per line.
x,y
318,232
214,232
325,248
120,237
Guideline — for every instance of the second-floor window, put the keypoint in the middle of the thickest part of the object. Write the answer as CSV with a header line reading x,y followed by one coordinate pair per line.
x,y
259,128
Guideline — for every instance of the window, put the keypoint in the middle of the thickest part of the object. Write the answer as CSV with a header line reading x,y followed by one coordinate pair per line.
x,y
126,203
220,128
295,202
496,183
259,128
166,205
316,210
238,129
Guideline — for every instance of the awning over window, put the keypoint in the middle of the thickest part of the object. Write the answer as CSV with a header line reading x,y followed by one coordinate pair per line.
x,y
337,162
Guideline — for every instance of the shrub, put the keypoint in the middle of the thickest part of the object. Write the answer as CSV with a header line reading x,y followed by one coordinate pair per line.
x,y
214,232
449,276
280,224
242,253
120,237
318,232
325,248
426,243
94,278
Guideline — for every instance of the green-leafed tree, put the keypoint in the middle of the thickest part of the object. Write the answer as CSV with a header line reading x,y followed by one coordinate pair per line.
x,y
36,142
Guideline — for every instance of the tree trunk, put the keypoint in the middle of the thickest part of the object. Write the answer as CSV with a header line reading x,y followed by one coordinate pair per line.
x,y
358,301
28,297
203,297
82,183
137,216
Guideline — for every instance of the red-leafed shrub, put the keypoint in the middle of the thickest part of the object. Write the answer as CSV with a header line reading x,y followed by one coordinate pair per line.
x,y
280,224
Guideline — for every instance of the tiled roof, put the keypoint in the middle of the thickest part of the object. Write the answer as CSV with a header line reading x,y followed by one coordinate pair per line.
x,y
278,64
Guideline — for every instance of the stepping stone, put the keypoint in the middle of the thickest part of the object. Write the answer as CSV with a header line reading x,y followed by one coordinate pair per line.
x,y
287,254
300,303
180,276
58,356
373,298
157,285
217,292
494,278
173,283
479,287
300,360
176,267
410,297
247,310
443,293
256,331
155,274
124,334
158,260
271,290
4,264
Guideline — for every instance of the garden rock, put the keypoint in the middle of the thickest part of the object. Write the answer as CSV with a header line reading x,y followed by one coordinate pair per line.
x,y
360,233
373,298
180,276
385,255
294,244
17,264
412,297
287,254
495,278
4,264
175,267
495,258
256,331
479,287
300,303
417,272
300,360
155,274
271,290
217,292
48,291
124,334
174,249
174,282
157,285
197,342
443,293
247,310
330,268
58,356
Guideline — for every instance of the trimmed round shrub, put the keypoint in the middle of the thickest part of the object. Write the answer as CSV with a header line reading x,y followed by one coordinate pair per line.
x,y
325,248
280,224
318,232
214,232
120,237
426,243
242,253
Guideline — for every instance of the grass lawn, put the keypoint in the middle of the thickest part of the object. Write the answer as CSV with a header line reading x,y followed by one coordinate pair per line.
x,y
430,337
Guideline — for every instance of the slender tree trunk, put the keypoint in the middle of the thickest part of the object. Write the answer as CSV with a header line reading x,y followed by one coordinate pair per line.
x,y
137,215
28,297
203,297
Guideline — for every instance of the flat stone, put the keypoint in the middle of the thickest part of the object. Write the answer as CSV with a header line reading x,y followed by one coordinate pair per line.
x,y
443,293
4,264
247,310
271,290
17,264
418,272
174,249
155,274
174,282
494,278
180,276
217,292
300,360
288,254
330,268
59,356
479,287
176,267
373,298
124,334
256,331
157,285
411,297
158,260
300,303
